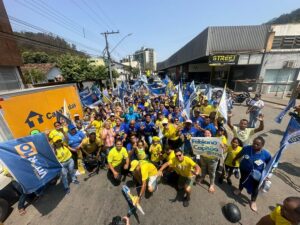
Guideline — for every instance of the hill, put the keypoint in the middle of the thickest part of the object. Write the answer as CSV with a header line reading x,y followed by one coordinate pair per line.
x,y
293,17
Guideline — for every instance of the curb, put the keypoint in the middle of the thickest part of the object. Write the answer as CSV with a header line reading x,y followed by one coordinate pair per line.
x,y
273,102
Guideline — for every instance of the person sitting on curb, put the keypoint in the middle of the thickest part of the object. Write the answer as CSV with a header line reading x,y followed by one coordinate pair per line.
x,y
64,156
243,132
286,214
145,173
187,169
118,162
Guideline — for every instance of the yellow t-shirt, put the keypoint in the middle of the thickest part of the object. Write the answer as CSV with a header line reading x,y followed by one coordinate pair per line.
x,y
278,218
223,140
171,132
63,154
98,125
115,157
155,152
158,123
207,109
54,133
170,156
231,154
140,154
90,147
147,170
183,168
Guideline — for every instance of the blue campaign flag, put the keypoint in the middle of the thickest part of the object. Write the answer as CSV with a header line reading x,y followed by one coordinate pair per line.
x,y
208,92
60,116
31,161
166,80
192,87
90,99
291,136
84,92
158,91
97,92
144,79
291,104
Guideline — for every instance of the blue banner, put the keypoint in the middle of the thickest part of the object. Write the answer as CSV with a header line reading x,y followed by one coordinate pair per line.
x,y
31,161
158,91
60,117
291,104
84,92
90,99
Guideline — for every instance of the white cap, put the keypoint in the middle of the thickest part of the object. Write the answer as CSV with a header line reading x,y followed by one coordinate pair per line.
x,y
189,121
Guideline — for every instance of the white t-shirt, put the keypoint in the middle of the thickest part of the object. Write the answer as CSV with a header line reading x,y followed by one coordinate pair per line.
x,y
256,105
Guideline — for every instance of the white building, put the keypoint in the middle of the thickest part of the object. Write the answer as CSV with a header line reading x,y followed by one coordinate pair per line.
x,y
147,59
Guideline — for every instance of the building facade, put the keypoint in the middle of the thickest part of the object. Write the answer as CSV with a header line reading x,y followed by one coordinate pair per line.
x,y
147,59
10,57
262,56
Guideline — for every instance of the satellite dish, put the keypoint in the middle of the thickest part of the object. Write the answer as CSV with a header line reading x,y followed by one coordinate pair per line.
x,y
231,212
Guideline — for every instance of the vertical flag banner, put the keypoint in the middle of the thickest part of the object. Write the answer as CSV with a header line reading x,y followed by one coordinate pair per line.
x,y
291,104
180,97
31,161
223,105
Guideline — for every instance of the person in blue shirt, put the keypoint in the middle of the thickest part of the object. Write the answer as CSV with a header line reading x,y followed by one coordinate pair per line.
x,y
148,129
186,134
130,128
129,146
206,125
255,158
131,115
75,139
197,118
163,109
119,129
177,114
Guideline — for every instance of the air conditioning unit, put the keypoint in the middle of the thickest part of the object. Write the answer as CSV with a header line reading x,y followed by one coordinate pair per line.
x,y
288,64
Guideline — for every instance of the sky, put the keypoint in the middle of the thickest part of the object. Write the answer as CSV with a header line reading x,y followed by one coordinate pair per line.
x,y
165,25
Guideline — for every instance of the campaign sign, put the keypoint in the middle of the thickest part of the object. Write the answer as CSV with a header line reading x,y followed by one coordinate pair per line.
x,y
30,160
207,145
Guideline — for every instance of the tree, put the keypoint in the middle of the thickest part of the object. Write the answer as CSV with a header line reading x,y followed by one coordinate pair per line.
x,y
33,76
98,73
115,73
74,68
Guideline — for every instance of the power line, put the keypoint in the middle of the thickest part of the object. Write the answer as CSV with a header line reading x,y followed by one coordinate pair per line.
x,y
105,15
48,32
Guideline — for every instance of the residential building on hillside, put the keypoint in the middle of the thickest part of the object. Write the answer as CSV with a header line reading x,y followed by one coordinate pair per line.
x,y
97,61
147,59
10,57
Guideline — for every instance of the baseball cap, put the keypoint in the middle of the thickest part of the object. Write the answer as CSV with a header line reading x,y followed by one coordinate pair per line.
x,y
155,138
112,114
56,138
133,165
71,127
189,121
165,121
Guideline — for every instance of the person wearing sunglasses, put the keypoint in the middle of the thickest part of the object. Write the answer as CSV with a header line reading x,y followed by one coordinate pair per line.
x,y
186,169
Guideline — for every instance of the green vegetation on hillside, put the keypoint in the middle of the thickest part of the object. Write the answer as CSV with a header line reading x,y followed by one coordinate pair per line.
x,y
293,17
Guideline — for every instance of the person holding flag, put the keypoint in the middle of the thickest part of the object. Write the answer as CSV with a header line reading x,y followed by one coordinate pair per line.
x,y
254,110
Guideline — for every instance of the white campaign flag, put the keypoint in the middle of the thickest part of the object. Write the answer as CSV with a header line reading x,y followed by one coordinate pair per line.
x,y
222,109
180,97
66,112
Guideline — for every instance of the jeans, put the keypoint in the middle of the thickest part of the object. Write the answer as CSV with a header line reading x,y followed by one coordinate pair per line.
x,y
208,166
253,118
68,167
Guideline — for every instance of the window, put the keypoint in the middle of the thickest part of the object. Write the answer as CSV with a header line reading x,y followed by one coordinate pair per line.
x,y
286,42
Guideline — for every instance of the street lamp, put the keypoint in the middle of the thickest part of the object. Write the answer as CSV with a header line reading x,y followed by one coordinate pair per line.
x,y
120,42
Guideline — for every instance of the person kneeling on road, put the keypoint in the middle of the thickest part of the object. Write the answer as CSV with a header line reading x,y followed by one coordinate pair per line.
x,y
187,169
118,161
64,156
144,172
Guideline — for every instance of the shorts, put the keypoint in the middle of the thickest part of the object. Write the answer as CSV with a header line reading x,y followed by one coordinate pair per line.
x,y
152,182
185,181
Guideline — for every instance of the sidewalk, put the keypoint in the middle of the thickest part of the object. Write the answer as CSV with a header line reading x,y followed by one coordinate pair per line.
x,y
277,100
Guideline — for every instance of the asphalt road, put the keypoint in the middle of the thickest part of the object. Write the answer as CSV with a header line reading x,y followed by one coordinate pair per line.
x,y
96,200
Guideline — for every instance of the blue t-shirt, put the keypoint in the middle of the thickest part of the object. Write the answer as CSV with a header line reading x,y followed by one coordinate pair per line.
x,y
211,127
129,129
121,131
165,112
198,120
75,140
254,160
178,115
149,129
193,132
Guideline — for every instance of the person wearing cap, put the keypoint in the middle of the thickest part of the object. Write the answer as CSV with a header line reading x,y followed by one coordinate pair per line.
x,y
254,110
186,169
155,151
75,139
145,173
187,133
118,162
64,156
112,120
206,125
58,131
205,108
171,133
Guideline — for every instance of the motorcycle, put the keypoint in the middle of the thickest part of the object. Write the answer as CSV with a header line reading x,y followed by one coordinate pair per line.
x,y
245,96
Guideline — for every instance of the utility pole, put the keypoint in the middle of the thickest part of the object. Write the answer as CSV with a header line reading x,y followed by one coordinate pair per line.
x,y
108,55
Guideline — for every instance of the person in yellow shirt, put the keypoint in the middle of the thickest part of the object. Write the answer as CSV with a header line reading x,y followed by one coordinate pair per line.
x,y
140,150
155,151
145,173
206,109
232,151
287,214
97,124
169,153
118,162
64,156
58,131
187,169
171,133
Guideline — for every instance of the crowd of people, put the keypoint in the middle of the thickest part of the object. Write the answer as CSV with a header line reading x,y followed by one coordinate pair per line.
x,y
148,136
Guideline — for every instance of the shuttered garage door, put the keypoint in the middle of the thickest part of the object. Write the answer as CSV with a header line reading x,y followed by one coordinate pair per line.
x,y
9,79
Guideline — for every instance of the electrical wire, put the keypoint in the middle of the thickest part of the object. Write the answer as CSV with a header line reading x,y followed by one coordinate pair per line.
x,y
105,15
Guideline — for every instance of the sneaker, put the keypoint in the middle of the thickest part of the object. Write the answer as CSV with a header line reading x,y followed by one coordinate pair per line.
x,y
236,174
67,190
75,182
186,202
